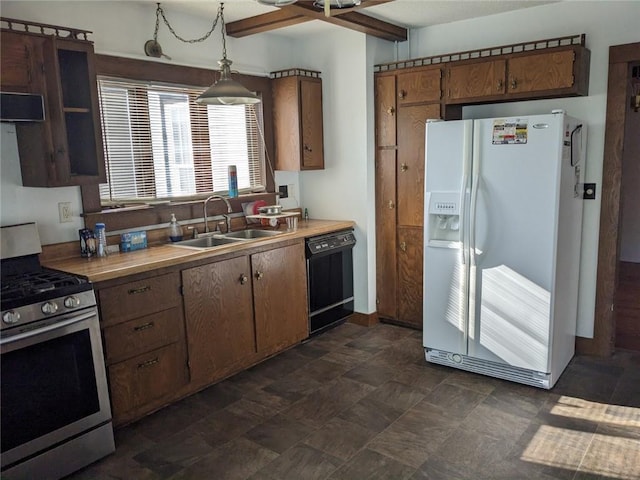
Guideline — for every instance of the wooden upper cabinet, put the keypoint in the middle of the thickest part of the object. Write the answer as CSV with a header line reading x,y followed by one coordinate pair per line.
x,y
410,162
298,123
544,71
419,87
66,149
386,111
21,63
556,72
475,80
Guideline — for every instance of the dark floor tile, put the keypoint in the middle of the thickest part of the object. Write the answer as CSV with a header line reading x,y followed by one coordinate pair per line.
x,y
249,380
588,382
264,410
520,400
322,370
374,375
326,403
612,457
397,395
436,469
235,460
278,433
293,386
498,423
571,413
416,435
174,453
280,365
269,400
348,356
473,381
423,376
115,468
393,333
173,418
217,396
371,465
340,438
224,425
301,462
371,342
309,350
371,414
469,450
457,402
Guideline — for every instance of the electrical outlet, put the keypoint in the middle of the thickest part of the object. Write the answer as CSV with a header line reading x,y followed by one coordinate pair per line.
x,y
284,191
64,212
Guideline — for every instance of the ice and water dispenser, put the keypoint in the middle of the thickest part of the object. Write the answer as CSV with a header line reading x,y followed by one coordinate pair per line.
x,y
444,218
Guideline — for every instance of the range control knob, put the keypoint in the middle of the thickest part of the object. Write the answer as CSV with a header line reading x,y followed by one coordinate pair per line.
x,y
10,317
49,308
72,302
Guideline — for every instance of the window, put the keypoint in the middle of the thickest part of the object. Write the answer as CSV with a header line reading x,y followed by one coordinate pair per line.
x,y
160,144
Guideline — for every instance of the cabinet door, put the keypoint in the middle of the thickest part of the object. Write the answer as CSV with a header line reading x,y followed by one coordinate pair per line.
x,y
410,254
471,82
545,71
386,274
21,63
280,298
410,167
311,117
386,112
419,87
219,317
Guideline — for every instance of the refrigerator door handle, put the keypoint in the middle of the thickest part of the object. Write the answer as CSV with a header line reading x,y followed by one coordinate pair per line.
x,y
475,176
466,167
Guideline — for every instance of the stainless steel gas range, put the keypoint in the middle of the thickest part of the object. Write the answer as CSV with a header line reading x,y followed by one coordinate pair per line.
x,y
55,413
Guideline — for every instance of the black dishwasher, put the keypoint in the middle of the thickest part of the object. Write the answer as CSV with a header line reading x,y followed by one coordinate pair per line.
x,y
330,279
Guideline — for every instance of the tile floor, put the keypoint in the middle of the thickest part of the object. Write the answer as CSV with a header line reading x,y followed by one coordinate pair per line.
x,y
362,403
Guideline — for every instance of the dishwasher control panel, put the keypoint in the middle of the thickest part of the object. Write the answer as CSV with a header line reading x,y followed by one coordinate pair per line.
x,y
330,241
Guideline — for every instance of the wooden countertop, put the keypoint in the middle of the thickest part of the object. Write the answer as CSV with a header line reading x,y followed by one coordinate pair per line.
x,y
123,264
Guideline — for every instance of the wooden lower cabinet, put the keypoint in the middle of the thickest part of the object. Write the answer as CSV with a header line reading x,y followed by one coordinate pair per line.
x,y
241,310
410,266
145,352
280,298
219,318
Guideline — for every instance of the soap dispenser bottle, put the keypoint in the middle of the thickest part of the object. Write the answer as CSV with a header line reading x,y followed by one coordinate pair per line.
x,y
175,230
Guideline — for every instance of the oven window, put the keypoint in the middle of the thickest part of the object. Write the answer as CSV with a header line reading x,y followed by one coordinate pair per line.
x,y
47,386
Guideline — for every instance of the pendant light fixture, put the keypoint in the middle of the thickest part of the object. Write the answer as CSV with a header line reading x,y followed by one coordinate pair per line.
x,y
226,91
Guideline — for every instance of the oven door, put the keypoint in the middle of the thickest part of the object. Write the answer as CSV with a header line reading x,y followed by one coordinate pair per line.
x,y
53,385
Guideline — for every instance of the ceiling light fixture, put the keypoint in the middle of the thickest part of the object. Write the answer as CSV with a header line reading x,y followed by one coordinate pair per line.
x,y
225,91
337,3
277,3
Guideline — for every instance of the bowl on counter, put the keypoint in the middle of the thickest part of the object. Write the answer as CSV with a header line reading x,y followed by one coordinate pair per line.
x,y
271,210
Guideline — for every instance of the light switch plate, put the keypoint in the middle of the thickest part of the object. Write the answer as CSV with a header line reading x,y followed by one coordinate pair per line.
x,y
64,212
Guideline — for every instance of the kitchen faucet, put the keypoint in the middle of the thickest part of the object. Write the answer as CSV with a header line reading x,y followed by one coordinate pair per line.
x,y
227,217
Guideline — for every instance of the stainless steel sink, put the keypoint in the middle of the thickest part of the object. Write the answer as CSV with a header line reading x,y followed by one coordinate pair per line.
x,y
251,233
206,242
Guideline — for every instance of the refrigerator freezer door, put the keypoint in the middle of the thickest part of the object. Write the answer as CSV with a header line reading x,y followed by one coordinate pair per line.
x,y
512,239
447,171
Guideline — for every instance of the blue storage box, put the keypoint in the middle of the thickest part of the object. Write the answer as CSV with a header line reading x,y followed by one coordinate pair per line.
x,y
133,241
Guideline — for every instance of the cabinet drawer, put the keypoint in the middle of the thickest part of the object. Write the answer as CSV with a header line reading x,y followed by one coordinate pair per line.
x,y
136,299
143,334
145,378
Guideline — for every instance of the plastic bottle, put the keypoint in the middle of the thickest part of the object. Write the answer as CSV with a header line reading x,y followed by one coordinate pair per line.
x,y
101,239
233,181
175,230
306,215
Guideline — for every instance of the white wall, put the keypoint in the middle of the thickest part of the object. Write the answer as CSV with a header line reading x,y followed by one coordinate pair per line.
x,y
119,28
605,24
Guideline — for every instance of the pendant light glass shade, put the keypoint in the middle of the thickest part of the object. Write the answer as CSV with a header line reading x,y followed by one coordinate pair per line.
x,y
227,91
337,3
277,3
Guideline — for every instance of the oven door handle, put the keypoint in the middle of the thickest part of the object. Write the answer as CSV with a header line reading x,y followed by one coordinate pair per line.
x,y
54,326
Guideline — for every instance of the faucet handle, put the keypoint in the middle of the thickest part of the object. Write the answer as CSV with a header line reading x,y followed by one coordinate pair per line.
x,y
194,232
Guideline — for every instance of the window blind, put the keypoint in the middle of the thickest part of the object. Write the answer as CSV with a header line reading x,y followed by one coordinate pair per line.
x,y
160,144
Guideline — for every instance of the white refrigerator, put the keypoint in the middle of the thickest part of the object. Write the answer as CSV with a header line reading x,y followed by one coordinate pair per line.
x,y
502,234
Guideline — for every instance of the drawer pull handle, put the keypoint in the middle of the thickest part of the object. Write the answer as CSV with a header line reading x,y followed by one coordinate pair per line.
x,y
243,279
144,326
500,85
133,291
391,111
514,83
403,246
149,363
404,167
402,94
259,275
391,205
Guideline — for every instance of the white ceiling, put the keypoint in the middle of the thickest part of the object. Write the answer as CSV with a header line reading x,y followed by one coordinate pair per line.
x,y
405,13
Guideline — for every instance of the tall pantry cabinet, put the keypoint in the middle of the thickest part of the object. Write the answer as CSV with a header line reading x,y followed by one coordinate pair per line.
x,y
404,101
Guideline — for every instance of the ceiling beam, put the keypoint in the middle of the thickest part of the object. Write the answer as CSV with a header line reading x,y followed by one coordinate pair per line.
x,y
304,11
